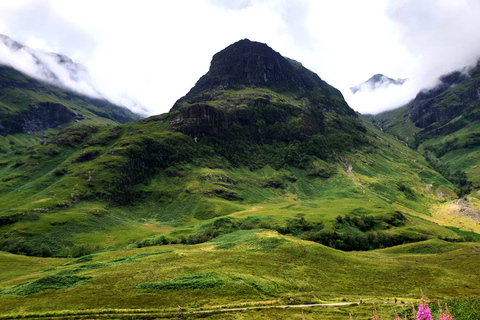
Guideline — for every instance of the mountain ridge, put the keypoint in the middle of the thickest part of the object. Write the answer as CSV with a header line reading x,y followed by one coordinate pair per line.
x,y
32,106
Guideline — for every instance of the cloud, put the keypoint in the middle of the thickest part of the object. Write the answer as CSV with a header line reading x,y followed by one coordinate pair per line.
x,y
51,68
442,35
232,4
381,99
152,52
437,37
37,22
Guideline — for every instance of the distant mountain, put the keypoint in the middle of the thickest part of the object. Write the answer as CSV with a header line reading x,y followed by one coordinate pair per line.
x,y
378,81
443,122
39,96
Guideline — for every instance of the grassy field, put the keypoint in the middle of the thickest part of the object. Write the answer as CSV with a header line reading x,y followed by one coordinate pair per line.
x,y
241,268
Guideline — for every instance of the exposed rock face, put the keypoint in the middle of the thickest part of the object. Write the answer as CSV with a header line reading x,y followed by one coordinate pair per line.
x,y
38,118
253,64
251,91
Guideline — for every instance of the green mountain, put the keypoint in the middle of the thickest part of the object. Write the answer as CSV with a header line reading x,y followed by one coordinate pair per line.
x,y
443,124
32,110
255,187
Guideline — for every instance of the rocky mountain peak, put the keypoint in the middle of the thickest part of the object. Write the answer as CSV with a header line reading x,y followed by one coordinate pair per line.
x,y
253,64
377,81
253,92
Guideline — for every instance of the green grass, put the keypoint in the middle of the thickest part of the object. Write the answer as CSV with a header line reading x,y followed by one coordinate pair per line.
x,y
191,281
52,282
205,276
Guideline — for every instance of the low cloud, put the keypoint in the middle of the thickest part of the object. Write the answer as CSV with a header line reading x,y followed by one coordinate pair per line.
x,y
48,67
58,70
381,99
154,51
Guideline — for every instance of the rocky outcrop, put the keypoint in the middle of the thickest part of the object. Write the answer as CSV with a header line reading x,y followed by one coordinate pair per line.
x,y
38,118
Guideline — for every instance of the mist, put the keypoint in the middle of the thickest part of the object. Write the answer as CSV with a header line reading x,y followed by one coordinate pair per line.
x,y
49,67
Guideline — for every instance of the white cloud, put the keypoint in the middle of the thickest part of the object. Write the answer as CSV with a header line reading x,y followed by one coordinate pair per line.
x,y
153,52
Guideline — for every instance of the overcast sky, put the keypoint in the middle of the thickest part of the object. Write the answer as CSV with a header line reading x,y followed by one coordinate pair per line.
x,y
153,51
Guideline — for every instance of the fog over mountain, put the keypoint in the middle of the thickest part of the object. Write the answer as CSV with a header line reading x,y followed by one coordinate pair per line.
x,y
378,81
53,68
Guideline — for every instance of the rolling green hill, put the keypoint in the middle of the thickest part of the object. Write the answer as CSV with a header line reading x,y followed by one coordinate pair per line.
x,y
261,185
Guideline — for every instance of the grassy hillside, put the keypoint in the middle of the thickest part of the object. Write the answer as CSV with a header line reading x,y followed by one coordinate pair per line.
x,y
242,194
111,187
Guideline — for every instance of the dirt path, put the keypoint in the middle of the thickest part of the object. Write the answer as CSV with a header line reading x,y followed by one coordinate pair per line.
x,y
165,315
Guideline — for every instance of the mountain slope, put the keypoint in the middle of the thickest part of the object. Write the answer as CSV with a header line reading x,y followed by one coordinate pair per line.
x,y
284,152
443,123
29,106
33,108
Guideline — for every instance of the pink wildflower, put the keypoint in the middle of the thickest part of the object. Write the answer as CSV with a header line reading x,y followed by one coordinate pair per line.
x,y
375,315
397,317
423,310
444,315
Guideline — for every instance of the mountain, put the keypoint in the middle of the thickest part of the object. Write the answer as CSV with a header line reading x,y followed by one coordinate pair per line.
x,y
255,187
251,90
378,81
219,151
30,106
443,123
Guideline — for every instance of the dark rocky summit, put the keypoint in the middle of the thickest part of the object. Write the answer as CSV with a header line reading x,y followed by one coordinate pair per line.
x,y
252,64
252,91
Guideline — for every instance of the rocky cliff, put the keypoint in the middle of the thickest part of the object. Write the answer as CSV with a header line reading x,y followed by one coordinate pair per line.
x,y
38,118
253,91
